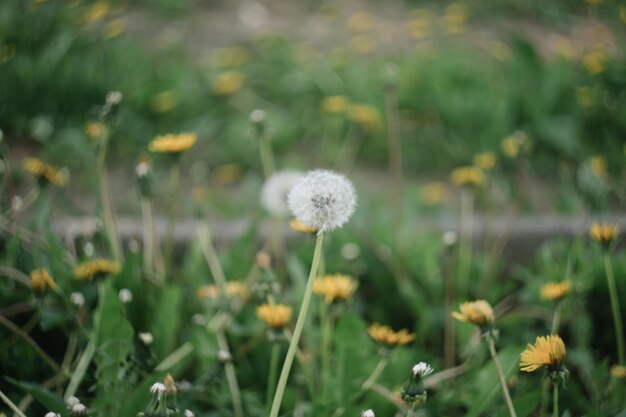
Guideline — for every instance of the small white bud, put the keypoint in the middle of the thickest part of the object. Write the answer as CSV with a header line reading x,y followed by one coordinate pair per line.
x,y
198,319
368,413
16,203
450,238
78,299
125,296
89,249
350,251
133,245
158,389
78,410
422,369
72,401
257,116
188,413
146,338
223,356
51,414
142,169
114,98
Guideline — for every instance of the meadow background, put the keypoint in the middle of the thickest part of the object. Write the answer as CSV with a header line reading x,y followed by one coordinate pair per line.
x,y
396,96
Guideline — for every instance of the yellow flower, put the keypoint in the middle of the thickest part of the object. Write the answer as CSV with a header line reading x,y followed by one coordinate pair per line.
x,y
594,62
386,335
603,233
618,371
228,82
172,143
234,289
335,104
547,351
226,174
96,130
555,290
301,227
366,116
419,25
477,312
361,22
515,144
96,268
115,28
275,316
598,166
455,17
170,385
164,101
335,287
40,280
232,57
97,11
485,161
44,172
434,193
470,176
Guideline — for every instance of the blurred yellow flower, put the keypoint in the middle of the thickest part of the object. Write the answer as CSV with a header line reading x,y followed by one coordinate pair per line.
x,y
622,13
477,312
298,226
96,130
362,44
335,287
275,316
96,268
618,371
455,17
467,176
41,281
594,62
547,351
365,116
97,11
593,3
386,336
115,28
172,143
485,160
361,22
564,48
232,57
234,289
434,193
555,291
603,233
419,27
164,101
228,82
226,174
335,104
598,166
45,173
516,144
170,384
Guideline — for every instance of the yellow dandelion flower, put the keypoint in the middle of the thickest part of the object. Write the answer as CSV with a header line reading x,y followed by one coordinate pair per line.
x,y
164,101
45,173
467,176
232,57
419,27
96,130
515,144
335,104
298,226
170,385
386,336
226,174
598,166
434,193
96,268
594,62
41,281
564,48
97,11
234,289
477,312
555,290
335,287
172,143
361,22
603,233
485,160
115,28
618,371
455,17
275,316
365,116
546,351
228,82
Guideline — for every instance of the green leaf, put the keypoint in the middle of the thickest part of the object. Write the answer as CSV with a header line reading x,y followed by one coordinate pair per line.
x,y
165,321
49,400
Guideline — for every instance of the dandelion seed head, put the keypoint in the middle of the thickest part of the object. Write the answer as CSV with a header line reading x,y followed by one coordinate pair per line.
x,y
78,299
158,388
146,338
275,190
257,116
125,295
322,199
78,410
367,413
188,413
422,369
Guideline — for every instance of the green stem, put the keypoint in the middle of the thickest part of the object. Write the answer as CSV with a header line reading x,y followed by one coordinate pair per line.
x,y
11,405
148,234
105,202
231,376
324,354
465,244
555,410
171,214
371,380
267,156
556,319
293,345
271,379
505,389
175,357
617,315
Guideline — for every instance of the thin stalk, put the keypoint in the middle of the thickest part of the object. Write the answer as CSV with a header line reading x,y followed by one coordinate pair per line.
x,y
212,260
11,405
15,274
617,315
171,214
175,357
465,244
505,389
271,379
231,376
105,202
371,380
148,234
449,330
394,147
267,156
555,409
19,332
556,318
326,325
293,345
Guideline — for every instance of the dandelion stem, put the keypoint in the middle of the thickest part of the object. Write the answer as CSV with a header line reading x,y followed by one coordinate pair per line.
x,y
148,234
171,214
465,244
271,379
496,361
105,201
371,380
293,345
11,405
15,274
267,156
556,319
555,409
617,315
231,376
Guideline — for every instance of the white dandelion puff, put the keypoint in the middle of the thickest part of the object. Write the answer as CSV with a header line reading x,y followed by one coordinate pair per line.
x,y
188,413
52,414
422,369
368,413
158,389
78,410
322,199
125,295
146,338
275,190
